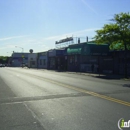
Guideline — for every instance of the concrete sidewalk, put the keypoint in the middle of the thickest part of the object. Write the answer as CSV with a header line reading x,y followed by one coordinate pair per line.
x,y
102,76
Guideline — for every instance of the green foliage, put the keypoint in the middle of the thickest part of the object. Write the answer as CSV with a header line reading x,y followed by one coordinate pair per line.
x,y
4,59
117,33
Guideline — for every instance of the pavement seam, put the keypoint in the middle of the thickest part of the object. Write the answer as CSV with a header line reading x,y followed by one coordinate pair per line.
x,y
16,100
34,115
82,90
90,92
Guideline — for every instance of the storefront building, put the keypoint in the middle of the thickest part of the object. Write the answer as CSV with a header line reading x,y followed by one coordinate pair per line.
x,y
52,59
17,59
43,60
61,59
87,57
119,61
32,60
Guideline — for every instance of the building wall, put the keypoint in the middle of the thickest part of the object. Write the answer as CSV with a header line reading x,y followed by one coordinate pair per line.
x,y
17,62
74,62
61,59
43,62
89,63
61,62
119,62
51,53
52,64
18,58
32,60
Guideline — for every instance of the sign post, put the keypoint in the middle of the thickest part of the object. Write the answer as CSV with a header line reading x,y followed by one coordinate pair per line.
x,y
22,60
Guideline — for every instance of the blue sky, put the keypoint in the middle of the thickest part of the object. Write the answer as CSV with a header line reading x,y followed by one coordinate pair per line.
x,y
37,24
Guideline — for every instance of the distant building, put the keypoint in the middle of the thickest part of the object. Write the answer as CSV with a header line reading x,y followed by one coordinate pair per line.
x,y
57,59
87,57
118,61
43,60
52,59
61,59
32,60
17,59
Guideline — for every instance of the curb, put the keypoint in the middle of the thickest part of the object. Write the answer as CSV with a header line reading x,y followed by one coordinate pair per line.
x,y
116,77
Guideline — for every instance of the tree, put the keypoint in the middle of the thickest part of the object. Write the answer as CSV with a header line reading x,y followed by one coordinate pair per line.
x,y
117,34
4,59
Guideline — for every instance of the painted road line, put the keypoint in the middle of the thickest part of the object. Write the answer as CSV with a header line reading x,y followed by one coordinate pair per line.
x,y
98,95
83,90
93,93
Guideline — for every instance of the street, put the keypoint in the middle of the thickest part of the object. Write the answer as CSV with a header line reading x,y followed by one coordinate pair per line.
x,y
32,99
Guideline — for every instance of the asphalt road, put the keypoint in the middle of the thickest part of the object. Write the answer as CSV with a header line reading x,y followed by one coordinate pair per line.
x,y
33,99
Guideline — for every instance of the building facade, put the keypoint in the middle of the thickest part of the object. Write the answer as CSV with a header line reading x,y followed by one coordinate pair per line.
x,y
43,60
61,59
118,62
52,59
17,59
32,60
87,57
82,57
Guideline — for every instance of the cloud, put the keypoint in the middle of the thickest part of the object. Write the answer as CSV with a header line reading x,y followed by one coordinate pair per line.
x,y
9,38
76,33
40,44
7,46
40,41
94,11
1,48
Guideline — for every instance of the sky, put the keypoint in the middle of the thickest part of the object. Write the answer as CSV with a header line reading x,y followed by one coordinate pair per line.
x,y
37,24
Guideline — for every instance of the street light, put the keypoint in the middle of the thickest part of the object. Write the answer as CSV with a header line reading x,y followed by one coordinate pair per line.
x,y
20,47
11,52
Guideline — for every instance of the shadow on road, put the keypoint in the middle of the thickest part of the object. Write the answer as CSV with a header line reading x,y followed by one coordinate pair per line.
x,y
109,77
126,85
96,75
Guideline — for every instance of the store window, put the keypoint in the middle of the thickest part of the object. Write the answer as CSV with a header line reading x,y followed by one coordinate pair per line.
x,y
44,62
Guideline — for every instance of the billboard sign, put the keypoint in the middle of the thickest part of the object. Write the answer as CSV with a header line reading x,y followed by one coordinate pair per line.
x,y
64,40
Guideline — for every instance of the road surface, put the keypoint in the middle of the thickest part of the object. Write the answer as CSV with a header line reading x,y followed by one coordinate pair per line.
x,y
32,99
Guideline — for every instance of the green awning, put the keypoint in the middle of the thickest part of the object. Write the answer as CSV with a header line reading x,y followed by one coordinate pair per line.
x,y
74,49
88,49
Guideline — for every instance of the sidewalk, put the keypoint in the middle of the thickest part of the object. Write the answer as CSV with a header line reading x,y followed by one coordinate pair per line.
x,y
102,76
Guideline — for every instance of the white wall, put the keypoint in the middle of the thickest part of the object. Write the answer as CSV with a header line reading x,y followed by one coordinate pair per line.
x,y
32,60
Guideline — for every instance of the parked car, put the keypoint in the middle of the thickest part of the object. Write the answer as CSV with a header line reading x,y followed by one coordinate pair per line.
x,y
2,65
22,65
